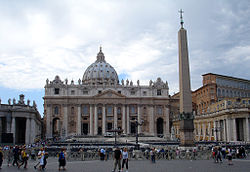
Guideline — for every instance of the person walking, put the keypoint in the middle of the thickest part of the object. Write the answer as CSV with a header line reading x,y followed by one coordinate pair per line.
x,y
9,155
62,159
152,154
117,159
125,159
1,158
40,158
24,157
16,152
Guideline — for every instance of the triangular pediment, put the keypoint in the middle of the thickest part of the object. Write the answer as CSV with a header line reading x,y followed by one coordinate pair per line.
x,y
109,94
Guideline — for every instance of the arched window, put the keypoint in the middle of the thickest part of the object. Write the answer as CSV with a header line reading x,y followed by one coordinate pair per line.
x,y
56,110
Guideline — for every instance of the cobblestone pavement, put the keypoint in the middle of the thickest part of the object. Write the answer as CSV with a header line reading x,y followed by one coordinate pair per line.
x,y
142,166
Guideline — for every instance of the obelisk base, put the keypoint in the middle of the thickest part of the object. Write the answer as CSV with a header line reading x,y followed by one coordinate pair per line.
x,y
187,133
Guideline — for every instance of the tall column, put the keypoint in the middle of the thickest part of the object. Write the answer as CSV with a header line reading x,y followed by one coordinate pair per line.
x,y
225,130
13,129
204,130
8,123
48,122
128,120
209,130
91,121
229,132
65,120
167,134
79,128
247,129
139,118
33,129
96,121
27,131
123,118
103,120
215,132
115,117
234,133
151,121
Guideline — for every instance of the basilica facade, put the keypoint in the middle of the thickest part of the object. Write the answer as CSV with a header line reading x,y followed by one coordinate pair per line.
x,y
100,102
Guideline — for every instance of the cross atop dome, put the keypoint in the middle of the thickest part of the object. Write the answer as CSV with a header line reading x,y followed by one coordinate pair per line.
x,y
181,17
100,56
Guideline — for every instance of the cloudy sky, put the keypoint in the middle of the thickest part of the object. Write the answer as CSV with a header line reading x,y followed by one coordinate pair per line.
x,y
43,38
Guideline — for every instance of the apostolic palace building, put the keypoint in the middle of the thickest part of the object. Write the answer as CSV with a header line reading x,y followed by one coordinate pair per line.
x,y
99,102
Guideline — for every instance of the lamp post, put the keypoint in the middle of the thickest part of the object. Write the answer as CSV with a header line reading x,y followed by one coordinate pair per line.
x,y
137,146
115,131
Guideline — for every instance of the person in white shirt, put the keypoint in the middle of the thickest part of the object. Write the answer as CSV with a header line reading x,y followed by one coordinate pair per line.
x,y
125,159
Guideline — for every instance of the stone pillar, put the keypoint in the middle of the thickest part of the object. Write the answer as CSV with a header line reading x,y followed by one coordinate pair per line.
x,y
139,118
219,130
229,131
13,129
247,130
48,122
215,132
234,133
167,134
8,123
95,121
124,119
79,121
128,120
91,121
27,132
65,120
115,117
33,129
151,121
209,130
225,131
204,130
103,120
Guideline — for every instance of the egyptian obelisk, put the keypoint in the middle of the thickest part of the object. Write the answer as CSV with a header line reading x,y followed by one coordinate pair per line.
x,y
186,115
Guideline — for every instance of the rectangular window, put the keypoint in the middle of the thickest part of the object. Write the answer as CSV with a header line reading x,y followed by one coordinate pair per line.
x,y
85,110
85,92
109,110
158,92
56,111
99,111
159,111
57,90
244,101
72,92
133,110
132,92
119,110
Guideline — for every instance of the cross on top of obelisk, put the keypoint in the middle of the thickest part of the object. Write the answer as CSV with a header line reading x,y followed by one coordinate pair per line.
x,y
182,22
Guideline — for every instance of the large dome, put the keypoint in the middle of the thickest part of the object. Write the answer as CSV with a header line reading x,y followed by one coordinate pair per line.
x,y
100,72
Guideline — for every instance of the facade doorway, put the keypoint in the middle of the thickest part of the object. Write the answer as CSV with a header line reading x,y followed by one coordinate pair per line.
x,y
132,128
99,131
159,127
85,128
56,127
21,129
239,129
110,126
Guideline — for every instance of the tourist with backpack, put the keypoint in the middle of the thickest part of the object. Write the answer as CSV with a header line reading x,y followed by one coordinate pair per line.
x,y
62,159
24,157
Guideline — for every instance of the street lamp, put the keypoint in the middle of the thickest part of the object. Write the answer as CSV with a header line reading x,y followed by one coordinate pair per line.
x,y
115,131
137,146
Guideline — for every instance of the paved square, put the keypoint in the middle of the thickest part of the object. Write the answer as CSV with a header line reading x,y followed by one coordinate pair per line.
x,y
141,166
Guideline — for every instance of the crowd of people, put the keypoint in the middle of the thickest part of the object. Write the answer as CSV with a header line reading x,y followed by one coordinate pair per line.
x,y
226,152
18,156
